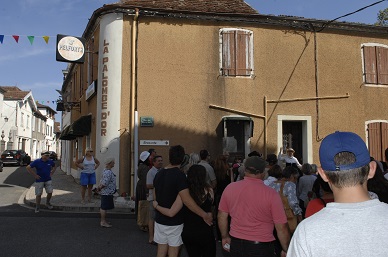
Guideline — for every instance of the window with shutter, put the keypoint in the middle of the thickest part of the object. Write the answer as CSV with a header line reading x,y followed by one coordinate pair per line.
x,y
236,52
375,64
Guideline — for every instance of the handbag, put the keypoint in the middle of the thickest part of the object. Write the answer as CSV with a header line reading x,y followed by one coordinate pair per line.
x,y
291,218
142,213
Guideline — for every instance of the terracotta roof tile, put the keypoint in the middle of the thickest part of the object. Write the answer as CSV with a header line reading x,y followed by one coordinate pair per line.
x,y
207,6
12,92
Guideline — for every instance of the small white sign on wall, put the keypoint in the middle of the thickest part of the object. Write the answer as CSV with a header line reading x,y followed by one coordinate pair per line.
x,y
155,142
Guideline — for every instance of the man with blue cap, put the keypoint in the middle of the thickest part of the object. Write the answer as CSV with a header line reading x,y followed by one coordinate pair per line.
x,y
350,225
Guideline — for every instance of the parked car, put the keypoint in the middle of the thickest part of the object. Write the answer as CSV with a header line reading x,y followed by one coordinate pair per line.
x,y
53,155
1,166
13,157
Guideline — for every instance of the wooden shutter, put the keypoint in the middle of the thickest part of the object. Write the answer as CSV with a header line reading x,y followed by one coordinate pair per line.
x,y
384,139
374,140
382,60
228,53
370,64
243,66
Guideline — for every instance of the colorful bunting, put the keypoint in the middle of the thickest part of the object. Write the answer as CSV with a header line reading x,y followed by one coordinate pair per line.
x,y
16,37
48,102
31,39
46,39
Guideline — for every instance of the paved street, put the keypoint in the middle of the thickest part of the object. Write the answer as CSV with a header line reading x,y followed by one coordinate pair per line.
x,y
63,233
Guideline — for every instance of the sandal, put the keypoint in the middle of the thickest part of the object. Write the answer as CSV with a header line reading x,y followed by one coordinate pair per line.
x,y
105,225
153,243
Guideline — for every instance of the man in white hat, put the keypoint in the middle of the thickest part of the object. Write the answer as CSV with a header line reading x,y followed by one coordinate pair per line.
x,y
289,158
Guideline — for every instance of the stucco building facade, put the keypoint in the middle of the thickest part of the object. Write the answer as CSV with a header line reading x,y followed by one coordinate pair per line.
x,y
217,75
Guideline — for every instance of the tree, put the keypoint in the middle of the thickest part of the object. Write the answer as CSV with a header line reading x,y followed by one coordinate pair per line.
x,y
382,18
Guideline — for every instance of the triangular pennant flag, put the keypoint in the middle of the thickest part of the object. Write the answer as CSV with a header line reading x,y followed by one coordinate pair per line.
x,y
53,102
31,38
46,39
16,38
1,38
42,102
48,102
37,102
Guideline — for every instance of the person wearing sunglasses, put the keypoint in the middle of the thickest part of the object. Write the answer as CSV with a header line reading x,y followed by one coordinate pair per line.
x,y
88,165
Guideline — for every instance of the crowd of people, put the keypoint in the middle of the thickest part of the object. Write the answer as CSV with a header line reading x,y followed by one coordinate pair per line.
x,y
256,206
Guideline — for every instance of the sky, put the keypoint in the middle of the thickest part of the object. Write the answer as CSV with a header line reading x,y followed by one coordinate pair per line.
x,y
34,66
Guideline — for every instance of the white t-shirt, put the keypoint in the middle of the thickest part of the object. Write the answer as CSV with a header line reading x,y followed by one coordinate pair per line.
x,y
210,175
150,181
343,229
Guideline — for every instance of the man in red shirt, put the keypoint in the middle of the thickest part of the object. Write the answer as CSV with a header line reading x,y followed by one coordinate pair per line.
x,y
255,210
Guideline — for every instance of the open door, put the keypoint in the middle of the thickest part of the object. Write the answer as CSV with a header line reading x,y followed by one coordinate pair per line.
x,y
237,133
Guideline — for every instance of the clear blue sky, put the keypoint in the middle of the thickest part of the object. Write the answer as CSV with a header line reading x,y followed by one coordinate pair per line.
x,y
33,67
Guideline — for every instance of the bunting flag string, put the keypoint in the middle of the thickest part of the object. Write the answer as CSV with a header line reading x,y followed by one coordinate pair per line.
x,y
29,37
47,102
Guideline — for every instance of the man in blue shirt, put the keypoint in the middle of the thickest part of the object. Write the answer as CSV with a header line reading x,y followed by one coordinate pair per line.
x,y
44,169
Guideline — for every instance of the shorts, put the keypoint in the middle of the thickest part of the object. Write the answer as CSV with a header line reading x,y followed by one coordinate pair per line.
x,y
151,211
107,202
170,235
48,186
87,179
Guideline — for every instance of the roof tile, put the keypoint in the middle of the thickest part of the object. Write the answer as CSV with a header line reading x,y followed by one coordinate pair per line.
x,y
207,6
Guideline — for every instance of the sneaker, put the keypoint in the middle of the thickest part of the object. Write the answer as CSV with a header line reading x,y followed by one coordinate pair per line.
x,y
36,209
49,206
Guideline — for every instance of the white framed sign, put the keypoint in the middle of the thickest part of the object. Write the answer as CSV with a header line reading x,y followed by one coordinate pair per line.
x,y
155,142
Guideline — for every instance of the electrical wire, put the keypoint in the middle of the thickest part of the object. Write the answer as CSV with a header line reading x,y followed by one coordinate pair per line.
x,y
359,10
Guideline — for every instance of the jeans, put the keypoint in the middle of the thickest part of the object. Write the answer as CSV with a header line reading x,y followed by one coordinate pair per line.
x,y
243,248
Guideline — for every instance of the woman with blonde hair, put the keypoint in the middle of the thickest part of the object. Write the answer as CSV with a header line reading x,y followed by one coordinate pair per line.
x,y
88,164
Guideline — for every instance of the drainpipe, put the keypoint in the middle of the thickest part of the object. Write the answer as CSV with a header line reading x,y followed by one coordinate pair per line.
x,y
134,147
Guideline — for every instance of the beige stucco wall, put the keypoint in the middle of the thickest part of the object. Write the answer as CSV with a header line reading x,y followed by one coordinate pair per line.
x,y
178,77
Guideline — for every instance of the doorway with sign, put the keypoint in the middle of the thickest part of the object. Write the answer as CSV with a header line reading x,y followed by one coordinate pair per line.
x,y
292,138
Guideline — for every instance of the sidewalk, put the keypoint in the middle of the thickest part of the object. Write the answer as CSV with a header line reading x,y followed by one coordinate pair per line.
x,y
67,197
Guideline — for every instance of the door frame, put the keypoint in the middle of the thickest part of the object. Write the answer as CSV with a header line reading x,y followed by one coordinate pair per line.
x,y
307,137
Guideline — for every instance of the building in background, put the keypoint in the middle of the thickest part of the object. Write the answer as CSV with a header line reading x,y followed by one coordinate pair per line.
x,y
217,75
23,125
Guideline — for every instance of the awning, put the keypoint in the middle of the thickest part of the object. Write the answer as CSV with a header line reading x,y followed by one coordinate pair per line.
x,y
236,117
78,128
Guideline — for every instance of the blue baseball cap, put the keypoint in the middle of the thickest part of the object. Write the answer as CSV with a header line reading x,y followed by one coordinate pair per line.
x,y
343,142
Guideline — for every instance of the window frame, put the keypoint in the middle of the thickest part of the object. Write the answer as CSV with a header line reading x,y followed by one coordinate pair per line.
x,y
249,66
379,82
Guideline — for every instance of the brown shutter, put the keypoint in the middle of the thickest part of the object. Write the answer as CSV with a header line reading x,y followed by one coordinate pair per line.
x,y
382,60
228,53
384,139
242,60
374,140
370,64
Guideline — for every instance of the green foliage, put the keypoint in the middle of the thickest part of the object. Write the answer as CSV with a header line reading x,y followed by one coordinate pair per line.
x,y
382,18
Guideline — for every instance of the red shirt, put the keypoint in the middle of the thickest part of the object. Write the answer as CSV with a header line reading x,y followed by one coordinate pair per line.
x,y
315,206
254,208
